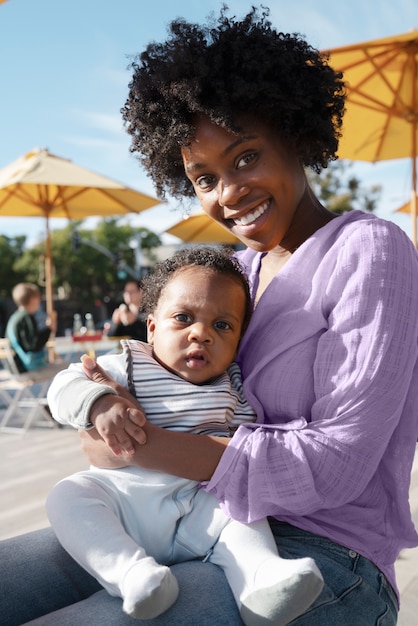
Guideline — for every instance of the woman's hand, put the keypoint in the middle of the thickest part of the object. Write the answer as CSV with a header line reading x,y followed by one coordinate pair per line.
x,y
97,452
125,315
129,315
93,371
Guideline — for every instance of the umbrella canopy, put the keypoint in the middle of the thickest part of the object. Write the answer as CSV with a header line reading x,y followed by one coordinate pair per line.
x,y
42,184
380,122
199,227
406,208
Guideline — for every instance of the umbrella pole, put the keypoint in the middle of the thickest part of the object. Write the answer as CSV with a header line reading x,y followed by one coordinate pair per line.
x,y
414,189
48,290
414,211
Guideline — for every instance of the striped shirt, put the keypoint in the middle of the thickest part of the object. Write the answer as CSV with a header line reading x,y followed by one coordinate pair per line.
x,y
171,402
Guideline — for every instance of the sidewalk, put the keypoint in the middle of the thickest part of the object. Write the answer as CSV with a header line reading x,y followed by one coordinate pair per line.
x,y
407,564
31,465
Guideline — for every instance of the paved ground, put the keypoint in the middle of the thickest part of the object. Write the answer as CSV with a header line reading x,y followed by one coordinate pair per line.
x,y
31,465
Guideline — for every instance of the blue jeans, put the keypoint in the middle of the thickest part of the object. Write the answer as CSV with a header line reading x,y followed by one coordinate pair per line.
x,y
41,585
355,592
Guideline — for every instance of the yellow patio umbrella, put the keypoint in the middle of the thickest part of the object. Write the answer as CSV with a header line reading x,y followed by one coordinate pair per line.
x,y
380,122
199,227
44,185
406,208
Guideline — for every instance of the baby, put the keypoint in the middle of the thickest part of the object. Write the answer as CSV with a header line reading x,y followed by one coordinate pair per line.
x,y
127,526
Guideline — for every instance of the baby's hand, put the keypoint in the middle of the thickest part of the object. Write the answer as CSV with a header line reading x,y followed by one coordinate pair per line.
x,y
119,423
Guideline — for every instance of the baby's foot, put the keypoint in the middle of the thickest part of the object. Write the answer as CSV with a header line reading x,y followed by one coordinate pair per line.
x,y
283,590
149,589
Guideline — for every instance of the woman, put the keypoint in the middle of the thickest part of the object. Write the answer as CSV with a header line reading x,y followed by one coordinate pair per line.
x,y
232,112
128,319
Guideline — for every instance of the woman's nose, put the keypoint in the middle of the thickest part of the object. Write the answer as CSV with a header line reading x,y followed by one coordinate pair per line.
x,y
231,192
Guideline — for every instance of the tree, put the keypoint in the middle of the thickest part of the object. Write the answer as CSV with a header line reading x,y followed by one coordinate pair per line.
x,y
340,192
11,249
82,273
119,239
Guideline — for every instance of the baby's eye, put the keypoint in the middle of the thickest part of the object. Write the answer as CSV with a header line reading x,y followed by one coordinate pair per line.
x,y
221,325
246,159
182,317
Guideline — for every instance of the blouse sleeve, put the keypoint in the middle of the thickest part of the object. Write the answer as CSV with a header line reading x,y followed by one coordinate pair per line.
x,y
363,384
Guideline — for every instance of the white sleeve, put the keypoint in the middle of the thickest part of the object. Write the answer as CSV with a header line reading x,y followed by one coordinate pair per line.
x,y
71,394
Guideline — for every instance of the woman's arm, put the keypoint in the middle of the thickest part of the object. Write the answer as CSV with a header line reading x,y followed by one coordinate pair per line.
x,y
335,372
182,454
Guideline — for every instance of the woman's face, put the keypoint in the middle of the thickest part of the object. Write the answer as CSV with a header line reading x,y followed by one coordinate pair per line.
x,y
251,183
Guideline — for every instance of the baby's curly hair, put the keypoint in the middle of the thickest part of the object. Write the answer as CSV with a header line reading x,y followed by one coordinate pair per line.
x,y
218,259
222,70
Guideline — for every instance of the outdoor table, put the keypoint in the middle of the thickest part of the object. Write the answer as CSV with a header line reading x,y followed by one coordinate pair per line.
x,y
68,347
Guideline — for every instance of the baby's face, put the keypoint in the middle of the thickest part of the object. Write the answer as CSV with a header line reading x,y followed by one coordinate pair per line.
x,y
196,328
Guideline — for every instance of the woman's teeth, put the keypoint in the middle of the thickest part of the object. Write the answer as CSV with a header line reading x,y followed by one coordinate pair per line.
x,y
252,216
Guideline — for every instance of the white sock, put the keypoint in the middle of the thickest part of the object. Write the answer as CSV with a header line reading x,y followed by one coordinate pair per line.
x,y
149,589
269,590
282,590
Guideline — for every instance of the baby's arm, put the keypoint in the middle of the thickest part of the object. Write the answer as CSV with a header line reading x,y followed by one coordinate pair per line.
x,y
118,421
117,418
76,400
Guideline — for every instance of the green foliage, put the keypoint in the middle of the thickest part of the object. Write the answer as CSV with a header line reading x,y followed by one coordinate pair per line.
x,y
83,275
339,192
11,250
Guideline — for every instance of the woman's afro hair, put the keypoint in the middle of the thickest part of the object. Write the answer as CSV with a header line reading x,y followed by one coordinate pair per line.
x,y
222,70
218,259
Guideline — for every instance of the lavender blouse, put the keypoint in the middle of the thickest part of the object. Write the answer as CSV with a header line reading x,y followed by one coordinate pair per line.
x,y
329,362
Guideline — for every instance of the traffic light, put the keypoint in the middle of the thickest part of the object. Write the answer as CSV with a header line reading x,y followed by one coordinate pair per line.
x,y
120,271
75,240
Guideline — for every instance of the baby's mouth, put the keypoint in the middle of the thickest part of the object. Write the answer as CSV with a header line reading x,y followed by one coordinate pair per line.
x,y
196,361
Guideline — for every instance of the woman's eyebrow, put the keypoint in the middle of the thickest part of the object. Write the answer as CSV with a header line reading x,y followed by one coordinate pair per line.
x,y
194,167
237,142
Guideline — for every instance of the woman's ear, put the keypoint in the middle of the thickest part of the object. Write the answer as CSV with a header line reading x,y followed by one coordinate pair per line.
x,y
150,328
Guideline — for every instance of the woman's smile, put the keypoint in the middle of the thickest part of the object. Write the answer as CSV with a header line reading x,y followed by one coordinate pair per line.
x,y
252,216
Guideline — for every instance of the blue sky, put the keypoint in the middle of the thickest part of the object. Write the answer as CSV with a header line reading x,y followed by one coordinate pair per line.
x,y
64,77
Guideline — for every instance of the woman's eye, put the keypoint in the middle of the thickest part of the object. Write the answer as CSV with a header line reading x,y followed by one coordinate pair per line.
x,y
204,182
246,159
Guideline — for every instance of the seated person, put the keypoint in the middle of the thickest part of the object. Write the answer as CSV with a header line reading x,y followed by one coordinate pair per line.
x,y
27,339
127,319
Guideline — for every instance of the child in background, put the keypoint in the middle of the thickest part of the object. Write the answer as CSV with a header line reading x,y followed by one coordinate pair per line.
x,y
26,337
126,526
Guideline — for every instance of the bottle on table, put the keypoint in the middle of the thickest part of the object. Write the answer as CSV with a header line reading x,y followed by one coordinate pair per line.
x,y
90,327
77,325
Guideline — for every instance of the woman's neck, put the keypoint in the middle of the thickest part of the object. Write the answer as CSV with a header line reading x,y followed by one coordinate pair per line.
x,y
309,217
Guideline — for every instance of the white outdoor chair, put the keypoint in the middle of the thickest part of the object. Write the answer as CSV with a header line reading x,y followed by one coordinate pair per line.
x,y
23,395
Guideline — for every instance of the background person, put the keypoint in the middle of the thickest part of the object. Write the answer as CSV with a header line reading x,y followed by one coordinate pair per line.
x,y
27,339
128,320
